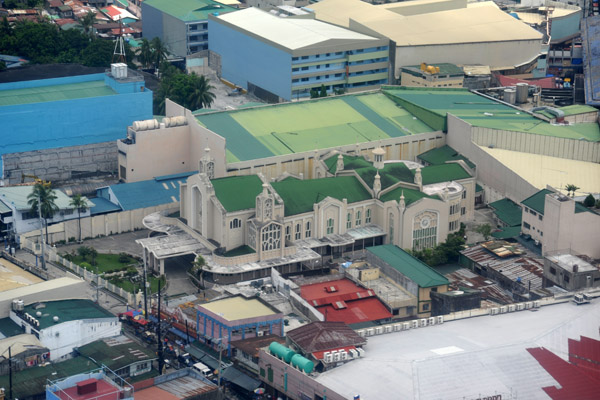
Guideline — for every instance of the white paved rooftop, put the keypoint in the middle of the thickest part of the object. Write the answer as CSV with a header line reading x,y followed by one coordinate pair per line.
x,y
466,359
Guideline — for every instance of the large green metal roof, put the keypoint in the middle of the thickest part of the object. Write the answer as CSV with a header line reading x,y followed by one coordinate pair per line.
x,y
116,355
189,10
42,94
409,266
330,122
537,201
66,310
410,195
237,192
441,155
508,212
431,105
299,196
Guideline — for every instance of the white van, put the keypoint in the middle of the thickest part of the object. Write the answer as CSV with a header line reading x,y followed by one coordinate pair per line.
x,y
203,369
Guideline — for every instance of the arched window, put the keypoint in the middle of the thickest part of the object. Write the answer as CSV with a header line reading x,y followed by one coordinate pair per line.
x,y
308,232
288,233
368,216
298,232
358,218
235,223
349,221
330,226
271,237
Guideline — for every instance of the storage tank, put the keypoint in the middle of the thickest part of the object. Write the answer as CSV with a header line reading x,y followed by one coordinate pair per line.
x,y
522,92
282,352
302,363
510,95
145,124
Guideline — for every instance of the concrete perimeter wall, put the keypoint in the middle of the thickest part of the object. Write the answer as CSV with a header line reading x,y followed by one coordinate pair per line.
x,y
63,163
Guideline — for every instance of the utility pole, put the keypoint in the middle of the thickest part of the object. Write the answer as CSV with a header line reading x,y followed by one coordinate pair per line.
x,y
41,231
10,394
220,371
145,290
160,346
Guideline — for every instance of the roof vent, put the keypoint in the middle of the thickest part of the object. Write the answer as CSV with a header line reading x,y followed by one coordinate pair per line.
x,y
55,318
38,314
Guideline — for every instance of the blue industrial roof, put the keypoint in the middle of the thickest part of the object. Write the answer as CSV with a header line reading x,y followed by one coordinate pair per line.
x,y
103,206
150,193
590,34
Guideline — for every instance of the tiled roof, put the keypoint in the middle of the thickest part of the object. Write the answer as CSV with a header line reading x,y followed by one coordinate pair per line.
x,y
322,336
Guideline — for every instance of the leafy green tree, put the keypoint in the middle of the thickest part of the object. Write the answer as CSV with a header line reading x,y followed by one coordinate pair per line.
x,y
145,56
314,93
323,92
200,94
98,53
485,230
83,252
87,23
159,52
43,198
80,204
190,91
589,201
93,254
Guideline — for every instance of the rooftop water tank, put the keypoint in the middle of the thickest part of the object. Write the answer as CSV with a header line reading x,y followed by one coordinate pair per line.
x,y
510,96
302,363
522,92
282,352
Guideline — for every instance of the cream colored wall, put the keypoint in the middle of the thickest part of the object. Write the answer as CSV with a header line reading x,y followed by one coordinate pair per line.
x,y
566,231
425,204
430,81
572,149
499,180
536,225
201,138
156,152
495,54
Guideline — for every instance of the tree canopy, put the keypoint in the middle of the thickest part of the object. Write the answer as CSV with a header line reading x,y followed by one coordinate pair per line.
x,y
188,90
44,43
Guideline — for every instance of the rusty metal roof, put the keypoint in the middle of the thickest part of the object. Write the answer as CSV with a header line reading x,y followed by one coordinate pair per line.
x,y
320,336
465,278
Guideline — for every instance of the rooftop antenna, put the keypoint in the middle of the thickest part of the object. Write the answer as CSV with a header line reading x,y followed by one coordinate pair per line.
x,y
119,52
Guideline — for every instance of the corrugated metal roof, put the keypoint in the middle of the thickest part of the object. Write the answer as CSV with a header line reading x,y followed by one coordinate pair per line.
x,y
102,205
537,201
291,33
189,10
323,336
16,196
507,211
150,193
465,278
409,266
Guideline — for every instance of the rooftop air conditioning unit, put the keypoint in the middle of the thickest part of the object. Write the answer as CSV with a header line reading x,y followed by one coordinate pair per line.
x,y
503,309
511,308
379,330
336,356
528,305
423,322
414,323
431,321
343,355
440,319
327,357
353,353
361,352
520,307
260,333
405,326
397,327
494,311
537,304
389,328
361,333
370,332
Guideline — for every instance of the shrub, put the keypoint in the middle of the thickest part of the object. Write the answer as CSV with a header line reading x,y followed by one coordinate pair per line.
x,y
124,258
72,239
589,201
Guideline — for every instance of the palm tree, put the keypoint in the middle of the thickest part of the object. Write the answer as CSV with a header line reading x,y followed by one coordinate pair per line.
x,y
159,52
200,95
145,55
571,189
87,22
44,198
80,203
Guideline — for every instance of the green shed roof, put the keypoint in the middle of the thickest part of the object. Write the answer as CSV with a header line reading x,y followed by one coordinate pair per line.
x,y
42,94
410,195
431,105
577,109
189,10
299,196
9,328
32,381
409,266
237,192
443,173
117,355
66,310
537,201
508,212
443,154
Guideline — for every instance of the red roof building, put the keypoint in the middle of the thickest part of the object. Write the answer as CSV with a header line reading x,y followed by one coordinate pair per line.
x,y
344,301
